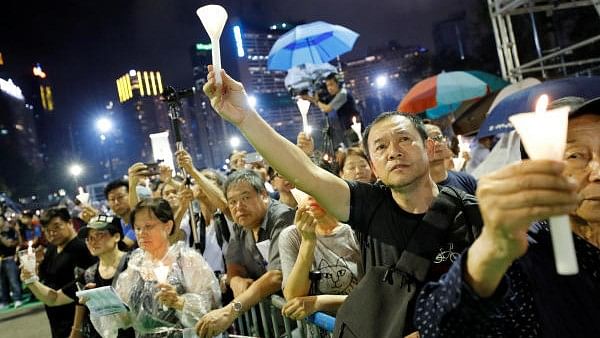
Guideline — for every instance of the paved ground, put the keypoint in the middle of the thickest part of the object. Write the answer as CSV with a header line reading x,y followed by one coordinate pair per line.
x,y
27,322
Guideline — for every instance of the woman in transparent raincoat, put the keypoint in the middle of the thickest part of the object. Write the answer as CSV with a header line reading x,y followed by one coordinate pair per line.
x,y
167,288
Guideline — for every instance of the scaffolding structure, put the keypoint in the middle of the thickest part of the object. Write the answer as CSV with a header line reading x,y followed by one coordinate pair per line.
x,y
501,12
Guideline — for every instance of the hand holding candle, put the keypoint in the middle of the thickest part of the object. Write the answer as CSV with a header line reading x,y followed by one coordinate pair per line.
x,y
544,136
303,106
213,18
83,197
356,127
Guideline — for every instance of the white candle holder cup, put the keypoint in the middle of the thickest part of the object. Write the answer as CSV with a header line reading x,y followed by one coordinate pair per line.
x,y
544,136
213,18
29,264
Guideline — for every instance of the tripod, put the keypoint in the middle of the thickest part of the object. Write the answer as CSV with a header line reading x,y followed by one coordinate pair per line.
x,y
327,141
173,99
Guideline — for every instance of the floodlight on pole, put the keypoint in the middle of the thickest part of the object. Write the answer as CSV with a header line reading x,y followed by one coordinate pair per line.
x,y
104,125
234,142
75,170
381,81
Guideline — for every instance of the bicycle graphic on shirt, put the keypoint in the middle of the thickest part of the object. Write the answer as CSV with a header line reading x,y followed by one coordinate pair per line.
x,y
445,255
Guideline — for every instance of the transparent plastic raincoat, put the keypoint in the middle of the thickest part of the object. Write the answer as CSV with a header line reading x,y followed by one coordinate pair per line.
x,y
137,286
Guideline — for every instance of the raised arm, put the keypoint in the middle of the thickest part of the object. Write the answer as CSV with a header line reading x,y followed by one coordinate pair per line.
x,y
213,193
231,102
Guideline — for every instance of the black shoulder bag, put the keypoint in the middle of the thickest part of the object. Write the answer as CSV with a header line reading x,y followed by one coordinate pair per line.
x,y
379,306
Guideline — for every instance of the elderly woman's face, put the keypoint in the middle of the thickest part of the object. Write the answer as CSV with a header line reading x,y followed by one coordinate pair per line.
x,y
357,168
582,157
151,233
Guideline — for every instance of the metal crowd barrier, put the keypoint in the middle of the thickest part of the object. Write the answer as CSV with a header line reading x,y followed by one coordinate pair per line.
x,y
265,320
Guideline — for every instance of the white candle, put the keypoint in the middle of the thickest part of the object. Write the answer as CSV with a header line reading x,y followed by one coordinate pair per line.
x,y
161,272
30,248
303,106
356,127
544,136
213,19
462,146
80,190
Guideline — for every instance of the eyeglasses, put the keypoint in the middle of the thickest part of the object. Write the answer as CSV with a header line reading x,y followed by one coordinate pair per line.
x,y
439,139
97,236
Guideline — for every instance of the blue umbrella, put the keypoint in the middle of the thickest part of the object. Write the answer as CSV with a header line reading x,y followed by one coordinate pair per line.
x,y
525,100
315,42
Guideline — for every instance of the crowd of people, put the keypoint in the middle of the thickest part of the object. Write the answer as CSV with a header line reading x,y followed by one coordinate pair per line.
x,y
387,236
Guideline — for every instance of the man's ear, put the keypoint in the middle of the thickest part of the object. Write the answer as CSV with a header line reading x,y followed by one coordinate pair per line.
x,y
430,147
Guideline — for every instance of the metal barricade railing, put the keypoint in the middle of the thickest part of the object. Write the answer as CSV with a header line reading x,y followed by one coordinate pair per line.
x,y
273,325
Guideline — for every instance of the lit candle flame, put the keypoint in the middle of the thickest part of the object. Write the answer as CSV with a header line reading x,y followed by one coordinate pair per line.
x,y
542,104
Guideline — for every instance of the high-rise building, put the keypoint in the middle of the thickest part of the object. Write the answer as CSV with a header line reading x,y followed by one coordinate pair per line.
x,y
139,94
206,127
18,140
379,81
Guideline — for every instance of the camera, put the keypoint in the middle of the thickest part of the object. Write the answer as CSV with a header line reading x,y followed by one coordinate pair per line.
x,y
153,168
316,87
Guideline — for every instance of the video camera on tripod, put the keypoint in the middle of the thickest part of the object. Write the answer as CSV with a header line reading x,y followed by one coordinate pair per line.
x,y
313,87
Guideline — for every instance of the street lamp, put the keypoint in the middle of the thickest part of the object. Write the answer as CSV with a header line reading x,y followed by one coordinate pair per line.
x,y
104,125
234,142
76,170
381,81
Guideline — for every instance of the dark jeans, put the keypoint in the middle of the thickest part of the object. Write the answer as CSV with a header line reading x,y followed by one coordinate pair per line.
x,y
9,280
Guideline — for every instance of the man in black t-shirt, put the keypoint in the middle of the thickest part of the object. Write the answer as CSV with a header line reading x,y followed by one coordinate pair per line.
x,y
65,252
386,213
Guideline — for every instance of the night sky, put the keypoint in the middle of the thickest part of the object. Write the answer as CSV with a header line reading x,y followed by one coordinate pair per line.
x,y
84,46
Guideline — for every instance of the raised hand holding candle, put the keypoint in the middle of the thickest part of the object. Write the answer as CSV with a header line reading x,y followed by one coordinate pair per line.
x,y
356,127
213,18
303,106
534,129
83,197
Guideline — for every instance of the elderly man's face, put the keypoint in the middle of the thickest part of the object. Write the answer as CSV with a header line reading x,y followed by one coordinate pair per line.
x,y
247,206
582,156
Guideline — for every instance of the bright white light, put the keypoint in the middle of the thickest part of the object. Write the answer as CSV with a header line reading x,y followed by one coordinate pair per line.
x,y
309,129
234,142
239,43
102,137
225,167
104,125
252,101
381,81
75,169
132,72
227,160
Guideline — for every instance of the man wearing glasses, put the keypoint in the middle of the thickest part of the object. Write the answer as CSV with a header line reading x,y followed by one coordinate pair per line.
x,y
65,252
437,168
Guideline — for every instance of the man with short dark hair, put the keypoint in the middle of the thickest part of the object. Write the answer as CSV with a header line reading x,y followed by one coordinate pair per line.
x,y
10,286
386,213
117,195
253,263
65,252
437,168
342,103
